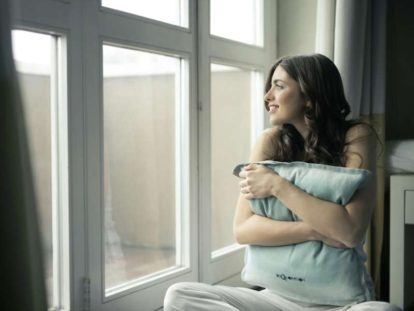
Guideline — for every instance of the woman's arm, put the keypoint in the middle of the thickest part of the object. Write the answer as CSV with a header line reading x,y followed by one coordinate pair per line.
x,y
346,224
259,230
249,228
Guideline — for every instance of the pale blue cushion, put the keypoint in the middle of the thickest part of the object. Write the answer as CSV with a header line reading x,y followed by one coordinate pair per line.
x,y
310,271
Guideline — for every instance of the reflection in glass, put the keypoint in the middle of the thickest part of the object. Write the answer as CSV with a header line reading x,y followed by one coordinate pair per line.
x,y
139,104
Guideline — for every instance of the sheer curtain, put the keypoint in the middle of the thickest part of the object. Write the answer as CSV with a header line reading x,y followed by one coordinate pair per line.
x,y
352,33
21,270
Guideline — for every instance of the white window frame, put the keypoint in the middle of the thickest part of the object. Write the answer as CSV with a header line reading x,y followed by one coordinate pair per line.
x,y
59,161
227,263
83,27
58,18
121,29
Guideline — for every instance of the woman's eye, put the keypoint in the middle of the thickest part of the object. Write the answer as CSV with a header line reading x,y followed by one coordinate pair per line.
x,y
279,86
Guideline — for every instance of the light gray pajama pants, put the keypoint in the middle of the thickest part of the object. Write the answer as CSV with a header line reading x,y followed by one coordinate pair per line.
x,y
195,296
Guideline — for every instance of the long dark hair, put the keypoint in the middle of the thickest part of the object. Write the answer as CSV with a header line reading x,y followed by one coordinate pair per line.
x,y
319,82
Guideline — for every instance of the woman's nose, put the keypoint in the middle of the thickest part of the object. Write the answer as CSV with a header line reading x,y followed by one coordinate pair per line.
x,y
268,96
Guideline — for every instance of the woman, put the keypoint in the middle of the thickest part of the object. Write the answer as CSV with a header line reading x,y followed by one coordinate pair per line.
x,y
307,107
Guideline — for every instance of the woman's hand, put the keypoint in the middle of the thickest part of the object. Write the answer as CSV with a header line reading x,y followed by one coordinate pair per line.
x,y
259,181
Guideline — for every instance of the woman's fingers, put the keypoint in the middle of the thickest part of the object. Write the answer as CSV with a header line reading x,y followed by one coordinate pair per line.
x,y
245,189
249,167
243,172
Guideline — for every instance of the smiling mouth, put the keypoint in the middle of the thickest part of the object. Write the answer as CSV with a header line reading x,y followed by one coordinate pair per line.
x,y
273,108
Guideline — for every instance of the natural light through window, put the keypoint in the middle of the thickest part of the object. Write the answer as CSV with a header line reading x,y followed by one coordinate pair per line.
x,y
168,11
233,102
238,20
140,101
32,52
42,83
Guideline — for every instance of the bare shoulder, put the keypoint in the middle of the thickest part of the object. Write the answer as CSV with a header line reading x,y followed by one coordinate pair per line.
x,y
359,133
360,150
264,147
271,131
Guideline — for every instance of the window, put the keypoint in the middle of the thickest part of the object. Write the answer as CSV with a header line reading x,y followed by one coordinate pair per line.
x,y
231,116
137,112
141,113
40,72
233,98
168,11
238,20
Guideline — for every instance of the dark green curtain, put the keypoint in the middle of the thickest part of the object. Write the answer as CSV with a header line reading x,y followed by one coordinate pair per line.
x,y
21,270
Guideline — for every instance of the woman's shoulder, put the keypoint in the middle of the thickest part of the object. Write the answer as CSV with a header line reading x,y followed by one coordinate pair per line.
x,y
263,148
360,147
271,132
269,137
359,132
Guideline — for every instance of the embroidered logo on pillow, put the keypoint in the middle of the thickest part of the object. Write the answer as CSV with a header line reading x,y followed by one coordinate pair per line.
x,y
311,271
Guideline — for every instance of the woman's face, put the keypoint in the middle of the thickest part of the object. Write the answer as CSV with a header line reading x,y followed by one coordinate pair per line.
x,y
286,103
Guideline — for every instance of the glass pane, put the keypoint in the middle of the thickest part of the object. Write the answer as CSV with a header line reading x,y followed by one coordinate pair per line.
x,y
231,93
168,11
33,59
139,163
239,20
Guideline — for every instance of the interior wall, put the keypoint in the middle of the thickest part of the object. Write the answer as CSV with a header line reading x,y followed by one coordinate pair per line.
x,y
296,29
296,26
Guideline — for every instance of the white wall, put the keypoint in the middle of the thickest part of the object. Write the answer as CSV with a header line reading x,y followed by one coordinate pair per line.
x,y
296,26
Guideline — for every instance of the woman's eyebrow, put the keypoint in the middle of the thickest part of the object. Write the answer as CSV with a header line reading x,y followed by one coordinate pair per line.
x,y
276,80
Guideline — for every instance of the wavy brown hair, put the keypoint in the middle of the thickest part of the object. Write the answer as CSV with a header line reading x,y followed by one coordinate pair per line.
x,y
319,82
